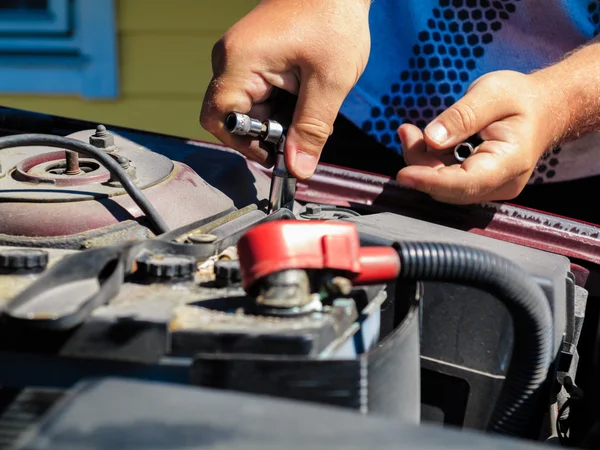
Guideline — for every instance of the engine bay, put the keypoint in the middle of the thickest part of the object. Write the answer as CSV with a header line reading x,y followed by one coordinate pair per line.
x,y
160,261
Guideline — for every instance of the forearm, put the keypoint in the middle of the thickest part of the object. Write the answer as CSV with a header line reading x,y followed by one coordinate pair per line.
x,y
573,88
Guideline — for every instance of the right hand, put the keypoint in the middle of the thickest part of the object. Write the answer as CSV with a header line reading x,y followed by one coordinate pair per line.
x,y
315,49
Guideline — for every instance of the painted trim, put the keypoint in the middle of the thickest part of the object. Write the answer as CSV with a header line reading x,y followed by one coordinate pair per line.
x,y
81,61
54,20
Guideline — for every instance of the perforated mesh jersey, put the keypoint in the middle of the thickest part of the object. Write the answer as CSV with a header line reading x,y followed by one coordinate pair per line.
x,y
452,43
442,64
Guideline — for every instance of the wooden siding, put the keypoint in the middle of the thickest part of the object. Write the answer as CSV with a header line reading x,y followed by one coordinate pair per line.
x,y
164,51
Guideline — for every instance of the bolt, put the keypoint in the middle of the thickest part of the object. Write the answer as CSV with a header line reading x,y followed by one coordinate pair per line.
x,y
123,162
72,163
202,238
286,289
103,139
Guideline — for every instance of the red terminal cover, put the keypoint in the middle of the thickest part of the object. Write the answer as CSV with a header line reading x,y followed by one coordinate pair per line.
x,y
325,245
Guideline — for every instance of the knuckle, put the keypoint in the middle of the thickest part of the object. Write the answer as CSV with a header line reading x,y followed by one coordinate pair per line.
x,y
462,116
223,51
314,132
495,83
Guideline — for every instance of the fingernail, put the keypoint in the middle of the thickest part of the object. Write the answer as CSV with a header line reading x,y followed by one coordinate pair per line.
x,y
305,164
437,132
408,183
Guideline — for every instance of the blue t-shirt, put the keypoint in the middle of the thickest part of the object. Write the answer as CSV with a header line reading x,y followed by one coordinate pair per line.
x,y
426,53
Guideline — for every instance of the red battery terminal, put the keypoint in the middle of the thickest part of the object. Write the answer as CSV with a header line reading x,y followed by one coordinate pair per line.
x,y
313,246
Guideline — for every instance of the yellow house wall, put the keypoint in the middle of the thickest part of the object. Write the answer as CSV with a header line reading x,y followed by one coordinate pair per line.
x,y
164,52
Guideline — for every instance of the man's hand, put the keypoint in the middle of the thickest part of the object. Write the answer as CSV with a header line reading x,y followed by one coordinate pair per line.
x,y
314,49
513,114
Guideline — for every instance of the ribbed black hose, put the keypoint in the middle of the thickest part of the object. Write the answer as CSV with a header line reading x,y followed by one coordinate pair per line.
x,y
63,143
527,304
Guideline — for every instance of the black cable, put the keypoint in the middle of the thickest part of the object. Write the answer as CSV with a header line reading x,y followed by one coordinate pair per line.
x,y
48,140
527,304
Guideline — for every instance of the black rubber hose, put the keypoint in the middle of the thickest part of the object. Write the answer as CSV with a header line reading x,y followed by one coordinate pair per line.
x,y
527,304
63,143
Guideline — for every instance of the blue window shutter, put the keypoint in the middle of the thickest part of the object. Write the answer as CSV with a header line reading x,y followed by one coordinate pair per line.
x,y
63,47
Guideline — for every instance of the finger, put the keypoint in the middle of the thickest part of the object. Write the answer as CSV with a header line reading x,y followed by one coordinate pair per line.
x,y
234,90
414,148
482,105
312,124
509,191
416,152
478,176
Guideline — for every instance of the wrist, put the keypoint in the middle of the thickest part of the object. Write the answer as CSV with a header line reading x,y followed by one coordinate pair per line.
x,y
553,107
571,91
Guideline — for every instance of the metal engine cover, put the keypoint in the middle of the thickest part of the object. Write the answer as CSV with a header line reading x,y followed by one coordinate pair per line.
x,y
39,204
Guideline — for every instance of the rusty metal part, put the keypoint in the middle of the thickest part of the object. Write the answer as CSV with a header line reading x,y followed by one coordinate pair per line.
x,y
151,169
51,168
288,289
195,200
35,203
72,160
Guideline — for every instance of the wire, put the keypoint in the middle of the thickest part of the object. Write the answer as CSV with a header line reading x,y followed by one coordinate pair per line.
x,y
48,140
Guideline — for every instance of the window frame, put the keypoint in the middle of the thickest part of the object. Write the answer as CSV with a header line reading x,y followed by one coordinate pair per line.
x,y
73,51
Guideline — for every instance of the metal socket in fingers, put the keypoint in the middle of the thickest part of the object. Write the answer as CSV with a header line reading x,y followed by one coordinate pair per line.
x,y
463,150
243,125
273,132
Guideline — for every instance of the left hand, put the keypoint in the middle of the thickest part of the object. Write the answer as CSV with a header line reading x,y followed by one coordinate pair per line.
x,y
513,114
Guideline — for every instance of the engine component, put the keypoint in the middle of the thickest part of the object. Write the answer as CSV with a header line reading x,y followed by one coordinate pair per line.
x,y
330,336
14,261
468,336
55,198
167,267
324,246
334,247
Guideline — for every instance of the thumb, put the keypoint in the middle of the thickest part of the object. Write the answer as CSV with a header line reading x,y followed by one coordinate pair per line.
x,y
480,107
312,124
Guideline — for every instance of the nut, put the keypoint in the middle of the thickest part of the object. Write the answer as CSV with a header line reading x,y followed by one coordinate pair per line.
x,y
103,139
